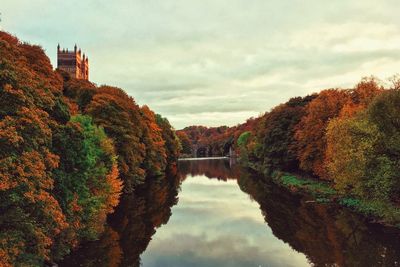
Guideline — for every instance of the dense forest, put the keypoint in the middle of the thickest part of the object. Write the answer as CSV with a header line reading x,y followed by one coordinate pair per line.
x,y
201,141
348,139
68,150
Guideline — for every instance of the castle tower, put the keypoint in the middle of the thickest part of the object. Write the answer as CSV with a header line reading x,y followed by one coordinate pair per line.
x,y
73,63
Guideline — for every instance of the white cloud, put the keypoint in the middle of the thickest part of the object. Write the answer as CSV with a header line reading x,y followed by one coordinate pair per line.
x,y
215,224
214,62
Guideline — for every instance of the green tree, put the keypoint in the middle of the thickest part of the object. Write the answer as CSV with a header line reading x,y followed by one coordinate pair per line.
x,y
81,186
275,135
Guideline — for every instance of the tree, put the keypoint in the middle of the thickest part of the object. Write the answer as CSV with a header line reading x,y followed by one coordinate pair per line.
x,y
172,144
185,142
361,96
60,174
310,131
86,182
121,119
156,159
30,97
275,135
350,152
384,112
363,149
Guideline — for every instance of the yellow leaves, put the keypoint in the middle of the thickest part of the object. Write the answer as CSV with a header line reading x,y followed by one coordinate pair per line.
x,y
108,146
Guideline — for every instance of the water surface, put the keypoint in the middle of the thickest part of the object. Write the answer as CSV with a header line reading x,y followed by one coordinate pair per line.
x,y
216,224
214,213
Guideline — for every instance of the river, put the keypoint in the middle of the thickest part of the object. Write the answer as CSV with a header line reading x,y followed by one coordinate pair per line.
x,y
212,212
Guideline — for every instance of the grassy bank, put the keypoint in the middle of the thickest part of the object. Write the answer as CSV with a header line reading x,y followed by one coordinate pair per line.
x,y
322,192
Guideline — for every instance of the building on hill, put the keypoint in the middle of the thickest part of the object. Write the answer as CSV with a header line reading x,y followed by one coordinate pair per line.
x,y
73,62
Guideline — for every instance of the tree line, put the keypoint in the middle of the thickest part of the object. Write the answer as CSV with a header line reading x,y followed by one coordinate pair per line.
x,y
68,150
201,141
347,137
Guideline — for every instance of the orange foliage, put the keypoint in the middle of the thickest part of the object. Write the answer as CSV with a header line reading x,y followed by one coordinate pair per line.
x,y
155,159
361,96
310,132
115,189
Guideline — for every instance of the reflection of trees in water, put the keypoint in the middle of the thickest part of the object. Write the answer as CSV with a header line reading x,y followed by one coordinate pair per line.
x,y
327,235
131,226
221,169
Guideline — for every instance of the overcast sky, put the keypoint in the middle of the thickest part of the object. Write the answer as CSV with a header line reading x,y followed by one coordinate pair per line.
x,y
215,62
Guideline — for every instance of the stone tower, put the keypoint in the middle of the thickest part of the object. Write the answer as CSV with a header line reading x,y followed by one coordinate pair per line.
x,y
73,62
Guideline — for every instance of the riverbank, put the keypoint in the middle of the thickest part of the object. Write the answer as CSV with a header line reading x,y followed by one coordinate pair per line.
x,y
374,211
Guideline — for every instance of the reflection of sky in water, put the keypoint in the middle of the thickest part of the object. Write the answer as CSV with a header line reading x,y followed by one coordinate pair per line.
x,y
216,224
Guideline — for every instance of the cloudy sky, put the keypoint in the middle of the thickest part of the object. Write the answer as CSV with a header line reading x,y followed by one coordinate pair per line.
x,y
215,62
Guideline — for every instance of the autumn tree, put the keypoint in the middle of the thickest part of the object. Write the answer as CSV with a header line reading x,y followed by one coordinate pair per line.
x,y
156,158
31,108
310,131
361,96
121,118
351,139
352,143
185,142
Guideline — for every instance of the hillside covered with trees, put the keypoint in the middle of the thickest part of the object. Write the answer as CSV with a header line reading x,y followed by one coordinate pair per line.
x,y
347,139
68,150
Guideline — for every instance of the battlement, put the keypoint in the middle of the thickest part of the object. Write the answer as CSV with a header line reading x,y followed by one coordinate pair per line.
x,y
73,62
